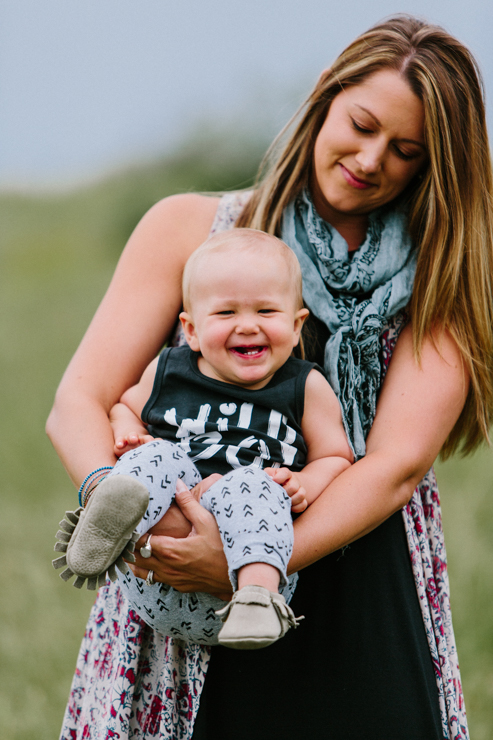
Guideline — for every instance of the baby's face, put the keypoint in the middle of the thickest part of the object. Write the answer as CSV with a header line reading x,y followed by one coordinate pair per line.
x,y
243,318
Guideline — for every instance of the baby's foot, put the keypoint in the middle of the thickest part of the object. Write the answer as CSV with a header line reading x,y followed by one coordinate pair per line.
x,y
255,618
98,537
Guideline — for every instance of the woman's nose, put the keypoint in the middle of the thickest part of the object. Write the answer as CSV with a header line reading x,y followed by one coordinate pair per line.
x,y
370,157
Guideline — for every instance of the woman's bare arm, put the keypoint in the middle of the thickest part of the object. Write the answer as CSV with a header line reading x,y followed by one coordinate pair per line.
x,y
134,319
417,408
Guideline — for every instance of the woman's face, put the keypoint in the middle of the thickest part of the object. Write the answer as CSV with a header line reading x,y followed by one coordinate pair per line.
x,y
369,148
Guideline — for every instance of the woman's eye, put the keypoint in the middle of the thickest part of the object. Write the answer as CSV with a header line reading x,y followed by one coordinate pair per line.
x,y
404,155
360,128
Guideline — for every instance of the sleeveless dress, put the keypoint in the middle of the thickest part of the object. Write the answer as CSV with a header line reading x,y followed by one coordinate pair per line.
x,y
374,659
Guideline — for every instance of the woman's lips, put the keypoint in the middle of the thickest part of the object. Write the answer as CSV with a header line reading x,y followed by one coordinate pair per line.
x,y
354,181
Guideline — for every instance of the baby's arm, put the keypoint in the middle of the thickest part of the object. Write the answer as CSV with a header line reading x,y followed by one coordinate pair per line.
x,y
328,454
128,429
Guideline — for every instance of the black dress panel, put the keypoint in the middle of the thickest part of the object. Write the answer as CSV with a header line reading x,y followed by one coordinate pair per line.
x,y
357,668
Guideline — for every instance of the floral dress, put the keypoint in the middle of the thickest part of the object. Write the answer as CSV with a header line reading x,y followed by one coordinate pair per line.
x,y
131,682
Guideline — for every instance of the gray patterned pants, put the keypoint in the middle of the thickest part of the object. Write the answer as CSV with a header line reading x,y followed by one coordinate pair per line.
x,y
254,518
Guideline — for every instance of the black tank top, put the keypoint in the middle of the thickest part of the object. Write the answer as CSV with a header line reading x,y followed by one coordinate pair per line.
x,y
222,426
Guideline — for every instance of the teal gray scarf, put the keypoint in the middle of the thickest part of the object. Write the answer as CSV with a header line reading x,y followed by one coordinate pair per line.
x,y
354,295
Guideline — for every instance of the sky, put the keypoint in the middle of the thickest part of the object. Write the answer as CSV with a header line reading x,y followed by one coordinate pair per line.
x,y
90,86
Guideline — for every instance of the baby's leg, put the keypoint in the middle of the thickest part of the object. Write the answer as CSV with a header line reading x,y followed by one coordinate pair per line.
x,y
136,494
254,518
157,465
190,617
193,616
253,514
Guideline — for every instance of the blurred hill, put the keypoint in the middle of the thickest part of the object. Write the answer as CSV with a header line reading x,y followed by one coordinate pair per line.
x,y
57,254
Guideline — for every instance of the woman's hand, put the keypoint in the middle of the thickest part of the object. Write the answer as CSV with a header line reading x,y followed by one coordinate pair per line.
x,y
194,563
174,523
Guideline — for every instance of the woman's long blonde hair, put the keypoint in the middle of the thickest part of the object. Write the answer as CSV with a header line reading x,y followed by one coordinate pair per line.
x,y
450,202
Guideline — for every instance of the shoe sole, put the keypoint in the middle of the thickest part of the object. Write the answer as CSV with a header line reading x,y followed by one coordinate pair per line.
x,y
106,526
248,643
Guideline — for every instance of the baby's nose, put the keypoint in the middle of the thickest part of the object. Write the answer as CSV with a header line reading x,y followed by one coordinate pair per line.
x,y
247,324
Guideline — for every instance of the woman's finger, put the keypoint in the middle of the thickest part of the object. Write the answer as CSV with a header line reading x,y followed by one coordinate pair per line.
x,y
185,570
199,517
204,485
179,580
140,572
164,549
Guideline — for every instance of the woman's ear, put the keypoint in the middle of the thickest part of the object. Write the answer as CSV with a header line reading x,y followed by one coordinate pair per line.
x,y
189,331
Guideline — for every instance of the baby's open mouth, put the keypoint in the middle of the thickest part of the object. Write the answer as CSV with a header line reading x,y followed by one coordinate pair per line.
x,y
248,351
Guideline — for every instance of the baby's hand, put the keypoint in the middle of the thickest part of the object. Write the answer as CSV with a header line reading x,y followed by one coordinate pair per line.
x,y
130,442
291,484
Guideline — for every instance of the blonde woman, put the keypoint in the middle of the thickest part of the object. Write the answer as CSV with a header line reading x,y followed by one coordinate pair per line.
x,y
383,191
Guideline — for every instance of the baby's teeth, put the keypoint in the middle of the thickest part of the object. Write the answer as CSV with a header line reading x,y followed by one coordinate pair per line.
x,y
246,352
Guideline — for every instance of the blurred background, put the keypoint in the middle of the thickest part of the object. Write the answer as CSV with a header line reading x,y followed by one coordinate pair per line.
x,y
106,107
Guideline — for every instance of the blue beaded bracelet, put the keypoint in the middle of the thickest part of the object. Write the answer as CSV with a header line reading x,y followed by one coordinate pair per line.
x,y
89,480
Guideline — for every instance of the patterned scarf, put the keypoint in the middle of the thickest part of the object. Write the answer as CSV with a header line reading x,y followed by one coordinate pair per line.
x,y
354,295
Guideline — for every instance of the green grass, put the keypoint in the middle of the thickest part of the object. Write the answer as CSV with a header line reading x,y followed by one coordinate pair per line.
x,y
56,258
466,488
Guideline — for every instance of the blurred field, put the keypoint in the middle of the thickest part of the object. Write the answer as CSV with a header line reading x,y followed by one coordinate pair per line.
x,y
56,257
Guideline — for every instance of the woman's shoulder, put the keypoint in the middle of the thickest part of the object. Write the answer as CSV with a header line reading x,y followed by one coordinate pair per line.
x,y
189,218
174,227
186,212
183,203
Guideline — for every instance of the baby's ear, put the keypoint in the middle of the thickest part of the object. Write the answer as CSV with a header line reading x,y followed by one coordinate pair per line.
x,y
299,319
189,331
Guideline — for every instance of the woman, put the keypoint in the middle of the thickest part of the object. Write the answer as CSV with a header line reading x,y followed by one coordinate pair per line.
x,y
390,152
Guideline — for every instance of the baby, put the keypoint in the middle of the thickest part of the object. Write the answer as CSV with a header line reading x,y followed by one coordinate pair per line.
x,y
235,402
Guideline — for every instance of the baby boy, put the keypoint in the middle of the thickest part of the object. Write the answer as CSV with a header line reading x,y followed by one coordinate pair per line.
x,y
233,401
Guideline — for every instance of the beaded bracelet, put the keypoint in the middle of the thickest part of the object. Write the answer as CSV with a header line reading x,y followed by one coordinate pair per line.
x,y
88,493
91,481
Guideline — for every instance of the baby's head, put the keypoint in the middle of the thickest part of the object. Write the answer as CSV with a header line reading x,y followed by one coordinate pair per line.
x,y
242,295
264,249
